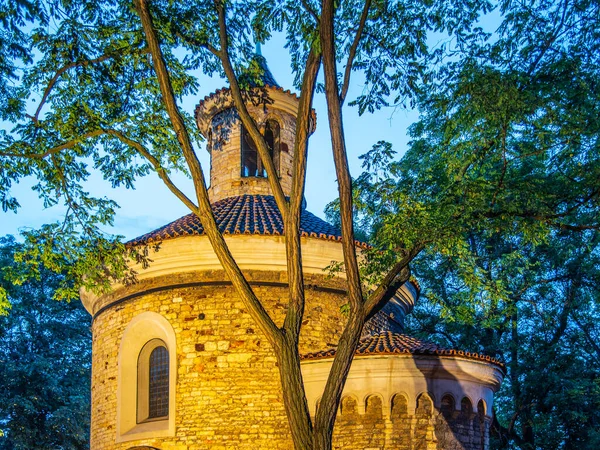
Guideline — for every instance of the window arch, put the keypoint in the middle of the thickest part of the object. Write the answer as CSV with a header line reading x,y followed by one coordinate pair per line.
x,y
153,382
374,406
466,407
399,405
447,406
148,340
252,165
424,404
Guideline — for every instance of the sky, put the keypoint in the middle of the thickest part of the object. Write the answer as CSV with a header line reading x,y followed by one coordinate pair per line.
x,y
150,205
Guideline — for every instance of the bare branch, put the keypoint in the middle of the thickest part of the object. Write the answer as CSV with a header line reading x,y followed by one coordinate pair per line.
x,y
293,319
348,342
353,47
340,156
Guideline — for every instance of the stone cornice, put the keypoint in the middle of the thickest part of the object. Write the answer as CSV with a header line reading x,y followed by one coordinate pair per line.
x,y
252,252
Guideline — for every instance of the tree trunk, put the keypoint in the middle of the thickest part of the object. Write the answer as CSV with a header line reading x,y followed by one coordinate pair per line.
x,y
294,398
328,407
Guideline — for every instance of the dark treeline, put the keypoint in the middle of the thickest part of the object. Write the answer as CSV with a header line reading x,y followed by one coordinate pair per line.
x,y
545,330
45,363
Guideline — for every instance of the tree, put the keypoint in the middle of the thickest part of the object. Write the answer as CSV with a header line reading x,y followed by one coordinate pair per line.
x,y
110,76
45,363
502,173
544,329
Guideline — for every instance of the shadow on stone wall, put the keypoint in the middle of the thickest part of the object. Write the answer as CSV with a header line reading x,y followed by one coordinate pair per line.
x,y
455,424
416,423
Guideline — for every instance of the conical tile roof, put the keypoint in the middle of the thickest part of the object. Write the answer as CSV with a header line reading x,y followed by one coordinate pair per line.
x,y
245,214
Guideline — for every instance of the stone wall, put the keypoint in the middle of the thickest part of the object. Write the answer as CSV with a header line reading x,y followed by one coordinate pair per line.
x,y
225,149
228,392
402,426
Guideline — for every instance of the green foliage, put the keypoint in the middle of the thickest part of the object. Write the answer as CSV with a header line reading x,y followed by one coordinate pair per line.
x,y
80,93
545,331
502,171
90,80
45,363
500,182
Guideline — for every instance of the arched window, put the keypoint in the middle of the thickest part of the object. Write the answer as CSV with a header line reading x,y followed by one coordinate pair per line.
x,y
272,132
252,165
374,407
447,407
399,406
424,405
153,382
147,374
466,407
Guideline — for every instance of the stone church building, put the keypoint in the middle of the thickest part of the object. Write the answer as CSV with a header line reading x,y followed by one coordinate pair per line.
x,y
178,363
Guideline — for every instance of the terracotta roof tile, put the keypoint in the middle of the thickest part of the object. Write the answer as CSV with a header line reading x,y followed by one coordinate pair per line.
x,y
389,343
246,214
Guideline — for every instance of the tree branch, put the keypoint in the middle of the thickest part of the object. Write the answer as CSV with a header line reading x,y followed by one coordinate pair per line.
x,y
161,172
353,48
247,120
205,214
311,11
196,42
504,433
393,280
64,69
591,340
348,342
51,151
293,319
550,40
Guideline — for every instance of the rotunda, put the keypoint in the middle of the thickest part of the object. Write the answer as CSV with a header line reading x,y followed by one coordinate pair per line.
x,y
179,364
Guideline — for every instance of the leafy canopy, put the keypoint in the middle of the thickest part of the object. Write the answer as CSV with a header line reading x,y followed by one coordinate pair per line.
x,y
80,95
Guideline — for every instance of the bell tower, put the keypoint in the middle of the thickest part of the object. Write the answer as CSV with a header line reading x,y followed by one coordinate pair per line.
x,y
236,168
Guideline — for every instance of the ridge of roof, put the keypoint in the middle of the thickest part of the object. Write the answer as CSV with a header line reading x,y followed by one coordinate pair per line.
x,y
244,214
390,343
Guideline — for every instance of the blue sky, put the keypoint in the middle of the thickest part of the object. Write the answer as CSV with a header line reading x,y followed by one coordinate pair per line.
x,y
151,205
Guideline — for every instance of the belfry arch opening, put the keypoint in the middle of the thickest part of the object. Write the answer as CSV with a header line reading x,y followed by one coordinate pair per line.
x,y
252,165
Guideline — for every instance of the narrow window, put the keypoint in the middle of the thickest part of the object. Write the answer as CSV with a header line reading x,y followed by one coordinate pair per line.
x,y
252,165
272,139
158,392
153,382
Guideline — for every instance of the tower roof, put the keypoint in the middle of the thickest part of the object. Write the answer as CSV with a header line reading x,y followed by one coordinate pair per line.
x,y
258,73
245,214
261,88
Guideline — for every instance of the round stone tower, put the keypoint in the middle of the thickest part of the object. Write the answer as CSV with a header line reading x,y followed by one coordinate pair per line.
x,y
178,362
